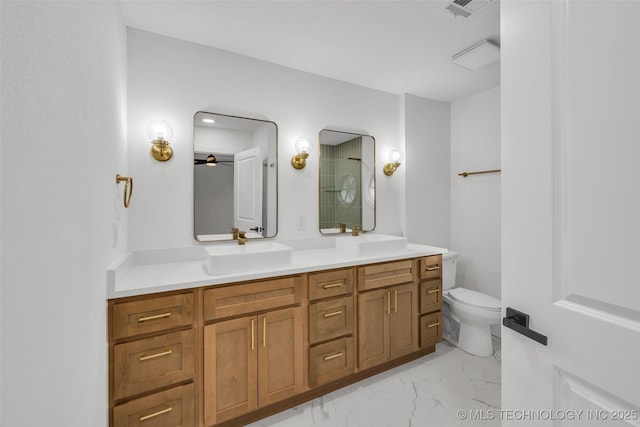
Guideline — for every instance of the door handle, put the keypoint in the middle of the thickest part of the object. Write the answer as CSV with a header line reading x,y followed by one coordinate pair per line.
x,y
519,322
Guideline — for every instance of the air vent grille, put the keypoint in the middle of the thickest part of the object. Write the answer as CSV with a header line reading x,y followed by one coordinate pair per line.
x,y
466,8
458,11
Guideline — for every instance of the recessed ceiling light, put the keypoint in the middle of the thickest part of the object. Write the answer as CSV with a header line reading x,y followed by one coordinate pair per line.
x,y
208,120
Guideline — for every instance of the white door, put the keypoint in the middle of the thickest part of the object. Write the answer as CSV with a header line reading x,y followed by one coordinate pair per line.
x,y
247,190
571,211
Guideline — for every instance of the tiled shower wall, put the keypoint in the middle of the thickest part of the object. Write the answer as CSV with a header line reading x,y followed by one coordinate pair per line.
x,y
341,184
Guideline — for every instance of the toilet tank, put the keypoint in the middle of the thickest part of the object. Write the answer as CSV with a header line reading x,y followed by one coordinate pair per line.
x,y
449,263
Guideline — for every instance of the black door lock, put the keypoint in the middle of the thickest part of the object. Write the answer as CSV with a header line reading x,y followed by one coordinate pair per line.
x,y
519,322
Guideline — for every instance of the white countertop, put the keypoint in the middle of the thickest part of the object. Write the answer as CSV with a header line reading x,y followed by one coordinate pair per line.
x,y
160,270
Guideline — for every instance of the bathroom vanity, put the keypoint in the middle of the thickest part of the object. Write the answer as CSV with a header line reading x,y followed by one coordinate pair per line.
x,y
191,349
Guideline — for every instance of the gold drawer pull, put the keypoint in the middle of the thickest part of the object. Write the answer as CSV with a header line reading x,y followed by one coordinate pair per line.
x,y
332,357
253,334
433,325
395,297
332,285
433,268
433,291
157,316
388,302
155,414
153,356
335,313
264,332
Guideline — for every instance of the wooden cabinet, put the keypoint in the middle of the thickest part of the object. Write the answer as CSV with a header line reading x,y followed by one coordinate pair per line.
x,y
431,267
151,315
331,319
227,301
386,274
330,361
431,296
152,361
251,361
236,352
387,324
231,369
403,320
430,329
173,407
430,301
330,283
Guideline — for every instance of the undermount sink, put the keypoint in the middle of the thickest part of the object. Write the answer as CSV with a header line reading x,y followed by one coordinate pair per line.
x,y
252,256
371,244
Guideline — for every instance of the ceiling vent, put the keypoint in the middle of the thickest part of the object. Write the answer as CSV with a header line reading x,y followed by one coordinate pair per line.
x,y
465,8
478,56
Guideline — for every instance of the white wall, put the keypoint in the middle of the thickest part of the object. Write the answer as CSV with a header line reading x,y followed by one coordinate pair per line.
x,y
475,200
63,140
171,80
427,134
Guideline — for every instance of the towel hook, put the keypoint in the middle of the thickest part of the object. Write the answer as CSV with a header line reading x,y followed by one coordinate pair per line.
x,y
128,188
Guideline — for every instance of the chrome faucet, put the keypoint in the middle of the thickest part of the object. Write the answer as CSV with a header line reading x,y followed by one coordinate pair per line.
x,y
241,238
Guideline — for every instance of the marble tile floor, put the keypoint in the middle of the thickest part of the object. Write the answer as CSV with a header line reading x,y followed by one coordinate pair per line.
x,y
429,391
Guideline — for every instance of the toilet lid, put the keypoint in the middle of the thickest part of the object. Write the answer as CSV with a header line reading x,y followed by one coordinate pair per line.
x,y
475,298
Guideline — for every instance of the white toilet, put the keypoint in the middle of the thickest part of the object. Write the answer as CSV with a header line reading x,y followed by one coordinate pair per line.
x,y
474,311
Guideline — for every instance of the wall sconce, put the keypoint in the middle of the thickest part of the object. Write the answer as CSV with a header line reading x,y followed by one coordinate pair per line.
x,y
303,148
395,160
160,133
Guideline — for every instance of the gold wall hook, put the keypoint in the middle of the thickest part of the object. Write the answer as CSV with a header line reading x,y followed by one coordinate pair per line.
x,y
128,188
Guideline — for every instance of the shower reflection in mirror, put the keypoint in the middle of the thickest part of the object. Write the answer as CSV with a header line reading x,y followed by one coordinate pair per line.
x,y
347,181
235,177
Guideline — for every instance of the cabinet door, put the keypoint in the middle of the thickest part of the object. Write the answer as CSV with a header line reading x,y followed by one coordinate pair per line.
x,y
403,320
230,369
373,327
280,364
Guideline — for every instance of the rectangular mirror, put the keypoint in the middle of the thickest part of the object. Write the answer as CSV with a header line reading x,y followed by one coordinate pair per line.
x,y
347,181
235,177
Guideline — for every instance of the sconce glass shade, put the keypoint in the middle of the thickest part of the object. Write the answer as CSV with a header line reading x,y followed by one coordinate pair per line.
x,y
159,130
160,133
303,145
396,158
303,148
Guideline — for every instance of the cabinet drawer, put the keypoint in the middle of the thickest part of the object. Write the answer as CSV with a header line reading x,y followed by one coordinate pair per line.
x,y
330,283
330,361
430,296
251,297
386,274
431,267
330,319
173,407
152,315
150,363
430,329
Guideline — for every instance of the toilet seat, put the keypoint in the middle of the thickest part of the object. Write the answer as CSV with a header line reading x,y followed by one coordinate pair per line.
x,y
474,299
